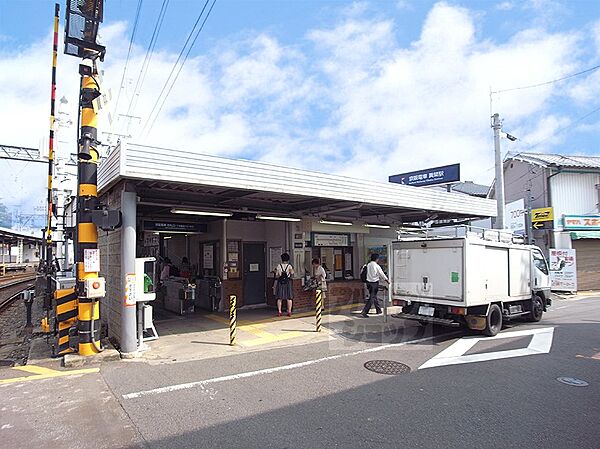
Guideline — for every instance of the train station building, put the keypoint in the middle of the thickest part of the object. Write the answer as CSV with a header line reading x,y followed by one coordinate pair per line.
x,y
229,221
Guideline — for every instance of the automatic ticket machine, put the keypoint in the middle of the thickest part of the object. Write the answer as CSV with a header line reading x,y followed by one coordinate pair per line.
x,y
145,283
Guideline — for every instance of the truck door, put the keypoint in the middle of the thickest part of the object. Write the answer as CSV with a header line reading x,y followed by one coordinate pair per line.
x,y
541,278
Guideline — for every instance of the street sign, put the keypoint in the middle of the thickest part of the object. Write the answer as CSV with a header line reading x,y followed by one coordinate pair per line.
x,y
515,214
542,214
537,225
430,176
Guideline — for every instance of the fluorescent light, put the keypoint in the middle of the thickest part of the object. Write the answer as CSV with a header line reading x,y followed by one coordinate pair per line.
x,y
379,226
200,212
166,238
339,223
267,217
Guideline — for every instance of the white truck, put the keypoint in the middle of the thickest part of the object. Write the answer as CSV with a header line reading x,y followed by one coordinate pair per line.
x,y
467,277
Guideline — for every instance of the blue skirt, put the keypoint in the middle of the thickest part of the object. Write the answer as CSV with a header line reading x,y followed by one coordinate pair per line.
x,y
285,291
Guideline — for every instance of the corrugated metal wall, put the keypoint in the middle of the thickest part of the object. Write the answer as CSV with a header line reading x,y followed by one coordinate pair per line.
x,y
573,194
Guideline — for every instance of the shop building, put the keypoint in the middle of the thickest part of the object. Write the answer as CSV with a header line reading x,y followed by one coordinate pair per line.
x,y
570,185
232,220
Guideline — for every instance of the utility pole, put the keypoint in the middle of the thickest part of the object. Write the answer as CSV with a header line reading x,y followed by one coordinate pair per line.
x,y
499,184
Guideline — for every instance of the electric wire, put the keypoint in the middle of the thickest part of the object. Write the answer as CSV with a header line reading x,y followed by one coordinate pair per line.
x,y
591,69
564,128
182,64
174,66
147,59
133,32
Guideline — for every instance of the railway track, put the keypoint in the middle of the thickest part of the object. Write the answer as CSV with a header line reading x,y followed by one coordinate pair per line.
x,y
11,290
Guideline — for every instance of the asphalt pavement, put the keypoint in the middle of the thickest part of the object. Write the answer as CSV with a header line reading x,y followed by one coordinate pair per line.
x,y
477,392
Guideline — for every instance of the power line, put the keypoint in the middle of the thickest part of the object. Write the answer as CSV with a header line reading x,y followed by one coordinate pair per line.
x,y
158,100
564,128
547,82
135,24
149,52
182,64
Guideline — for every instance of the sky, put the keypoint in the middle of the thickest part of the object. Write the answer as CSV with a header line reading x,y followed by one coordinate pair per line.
x,y
366,88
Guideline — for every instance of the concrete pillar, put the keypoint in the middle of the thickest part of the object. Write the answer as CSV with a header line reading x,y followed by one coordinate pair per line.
x,y
128,340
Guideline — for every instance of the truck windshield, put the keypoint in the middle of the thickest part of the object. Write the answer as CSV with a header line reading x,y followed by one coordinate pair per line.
x,y
540,262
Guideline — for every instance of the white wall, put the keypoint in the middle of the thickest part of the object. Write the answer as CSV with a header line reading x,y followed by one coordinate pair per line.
x,y
573,194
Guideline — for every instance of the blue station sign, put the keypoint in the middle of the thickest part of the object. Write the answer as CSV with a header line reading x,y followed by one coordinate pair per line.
x,y
428,177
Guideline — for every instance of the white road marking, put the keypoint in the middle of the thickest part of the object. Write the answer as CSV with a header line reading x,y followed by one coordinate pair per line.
x,y
541,342
202,383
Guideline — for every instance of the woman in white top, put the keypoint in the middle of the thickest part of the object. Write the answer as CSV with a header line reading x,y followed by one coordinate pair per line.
x,y
283,287
320,276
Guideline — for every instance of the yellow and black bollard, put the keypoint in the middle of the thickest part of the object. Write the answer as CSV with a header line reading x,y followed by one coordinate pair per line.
x,y
318,309
232,319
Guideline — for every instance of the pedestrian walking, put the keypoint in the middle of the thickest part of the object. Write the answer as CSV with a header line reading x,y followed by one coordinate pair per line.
x,y
374,274
283,288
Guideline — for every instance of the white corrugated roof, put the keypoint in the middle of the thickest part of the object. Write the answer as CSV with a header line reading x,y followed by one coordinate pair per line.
x,y
134,161
545,160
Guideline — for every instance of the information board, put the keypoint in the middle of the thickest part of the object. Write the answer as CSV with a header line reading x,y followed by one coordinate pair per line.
x,y
563,270
429,176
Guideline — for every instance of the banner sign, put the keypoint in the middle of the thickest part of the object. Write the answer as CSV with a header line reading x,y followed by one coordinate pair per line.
x,y
583,222
563,270
430,176
515,216
168,226
542,214
331,239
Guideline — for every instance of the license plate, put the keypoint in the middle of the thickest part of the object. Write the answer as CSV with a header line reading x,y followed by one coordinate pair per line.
x,y
426,310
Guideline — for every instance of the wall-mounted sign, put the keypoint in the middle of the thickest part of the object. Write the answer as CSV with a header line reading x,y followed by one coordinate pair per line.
x,y
91,260
542,214
515,216
590,222
170,226
430,176
151,239
208,256
330,239
563,270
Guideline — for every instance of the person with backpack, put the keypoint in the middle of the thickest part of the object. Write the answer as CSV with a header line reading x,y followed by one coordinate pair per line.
x,y
284,288
371,274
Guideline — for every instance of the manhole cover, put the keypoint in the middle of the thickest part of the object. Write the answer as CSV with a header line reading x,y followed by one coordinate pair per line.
x,y
387,367
572,381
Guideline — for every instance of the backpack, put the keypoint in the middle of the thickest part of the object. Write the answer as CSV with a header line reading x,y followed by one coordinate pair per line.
x,y
363,273
284,278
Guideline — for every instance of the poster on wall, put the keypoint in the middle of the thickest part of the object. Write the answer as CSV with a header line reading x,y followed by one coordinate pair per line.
x,y
207,257
275,253
563,270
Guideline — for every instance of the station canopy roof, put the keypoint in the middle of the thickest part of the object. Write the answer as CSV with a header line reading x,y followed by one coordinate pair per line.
x,y
166,178
12,236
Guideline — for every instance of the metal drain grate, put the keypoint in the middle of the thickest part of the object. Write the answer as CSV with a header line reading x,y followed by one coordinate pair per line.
x,y
387,367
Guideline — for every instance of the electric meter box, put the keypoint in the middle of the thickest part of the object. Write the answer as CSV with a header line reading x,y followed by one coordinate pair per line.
x,y
95,287
145,279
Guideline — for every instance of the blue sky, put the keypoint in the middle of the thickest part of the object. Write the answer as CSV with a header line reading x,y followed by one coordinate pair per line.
x,y
365,89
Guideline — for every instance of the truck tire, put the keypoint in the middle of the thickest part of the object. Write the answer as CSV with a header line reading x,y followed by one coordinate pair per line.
x,y
493,321
537,309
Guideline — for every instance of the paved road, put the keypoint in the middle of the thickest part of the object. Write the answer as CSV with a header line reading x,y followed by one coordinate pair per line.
x,y
320,395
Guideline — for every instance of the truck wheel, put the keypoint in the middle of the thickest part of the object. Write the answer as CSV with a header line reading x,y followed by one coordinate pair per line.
x,y
537,309
493,323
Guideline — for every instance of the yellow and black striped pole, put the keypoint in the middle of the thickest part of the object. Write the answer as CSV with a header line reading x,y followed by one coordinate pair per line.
x,y
48,253
87,201
232,319
318,309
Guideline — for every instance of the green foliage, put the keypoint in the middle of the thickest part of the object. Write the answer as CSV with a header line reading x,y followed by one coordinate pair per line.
x,y
5,216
